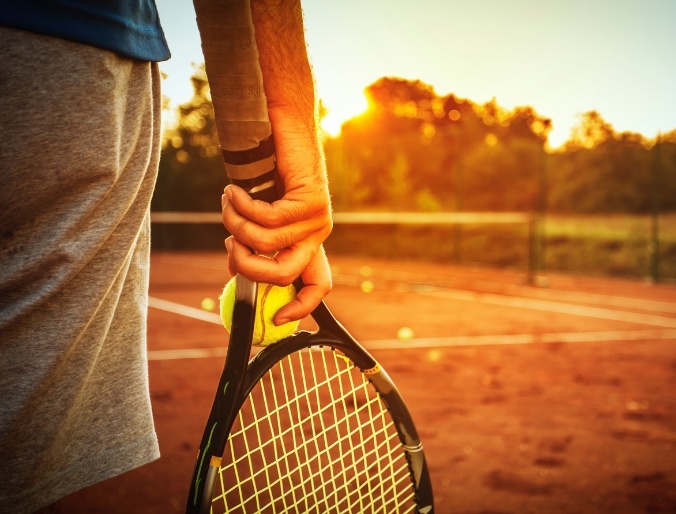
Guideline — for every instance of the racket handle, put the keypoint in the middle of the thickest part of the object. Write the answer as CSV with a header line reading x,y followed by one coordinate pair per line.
x,y
240,105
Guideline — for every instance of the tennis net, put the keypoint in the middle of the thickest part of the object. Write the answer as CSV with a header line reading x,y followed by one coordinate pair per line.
x,y
402,246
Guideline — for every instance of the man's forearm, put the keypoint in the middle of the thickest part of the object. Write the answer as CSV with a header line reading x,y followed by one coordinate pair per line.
x,y
294,227
287,75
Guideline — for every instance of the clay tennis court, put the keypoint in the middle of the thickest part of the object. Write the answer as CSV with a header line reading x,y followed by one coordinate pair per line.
x,y
556,399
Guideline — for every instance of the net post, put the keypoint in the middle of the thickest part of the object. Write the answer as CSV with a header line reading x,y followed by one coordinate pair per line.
x,y
654,244
536,230
532,249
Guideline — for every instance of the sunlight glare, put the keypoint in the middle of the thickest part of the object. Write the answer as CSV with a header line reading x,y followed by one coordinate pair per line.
x,y
341,111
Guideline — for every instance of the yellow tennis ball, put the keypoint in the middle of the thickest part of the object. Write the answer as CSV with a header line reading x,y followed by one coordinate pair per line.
x,y
269,300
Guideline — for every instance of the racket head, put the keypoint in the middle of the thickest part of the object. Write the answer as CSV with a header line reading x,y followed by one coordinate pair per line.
x,y
321,427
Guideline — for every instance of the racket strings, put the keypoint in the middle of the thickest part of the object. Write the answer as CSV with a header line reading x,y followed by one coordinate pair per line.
x,y
314,436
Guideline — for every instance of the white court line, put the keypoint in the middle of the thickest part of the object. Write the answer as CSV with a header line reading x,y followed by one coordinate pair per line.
x,y
607,300
189,353
550,306
494,299
184,310
554,295
457,341
561,337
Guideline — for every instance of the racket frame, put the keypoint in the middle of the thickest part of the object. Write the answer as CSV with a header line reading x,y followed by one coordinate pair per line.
x,y
332,334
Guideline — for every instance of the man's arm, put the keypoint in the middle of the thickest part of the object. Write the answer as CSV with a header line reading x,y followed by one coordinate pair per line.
x,y
295,226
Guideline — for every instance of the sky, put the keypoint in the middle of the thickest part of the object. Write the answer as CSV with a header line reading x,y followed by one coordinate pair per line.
x,y
563,58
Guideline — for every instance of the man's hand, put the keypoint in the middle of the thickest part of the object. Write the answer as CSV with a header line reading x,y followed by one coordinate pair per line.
x,y
291,231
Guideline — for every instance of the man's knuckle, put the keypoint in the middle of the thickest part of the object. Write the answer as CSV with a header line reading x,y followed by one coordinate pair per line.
x,y
240,227
276,219
264,245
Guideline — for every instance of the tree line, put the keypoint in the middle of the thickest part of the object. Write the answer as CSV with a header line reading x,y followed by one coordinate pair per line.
x,y
415,150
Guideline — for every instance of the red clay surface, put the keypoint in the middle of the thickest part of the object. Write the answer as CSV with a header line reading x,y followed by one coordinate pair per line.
x,y
543,427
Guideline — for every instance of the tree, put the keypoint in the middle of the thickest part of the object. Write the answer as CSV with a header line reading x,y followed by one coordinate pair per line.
x,y
601,170
191,175
590,132
415,150
455,153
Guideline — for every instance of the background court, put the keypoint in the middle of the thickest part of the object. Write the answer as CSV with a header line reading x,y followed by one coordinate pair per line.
x,y
553,399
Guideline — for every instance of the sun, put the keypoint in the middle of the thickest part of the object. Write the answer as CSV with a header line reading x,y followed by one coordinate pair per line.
x,y
340,109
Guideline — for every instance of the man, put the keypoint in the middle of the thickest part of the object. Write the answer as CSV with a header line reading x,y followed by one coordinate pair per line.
x,y
78,160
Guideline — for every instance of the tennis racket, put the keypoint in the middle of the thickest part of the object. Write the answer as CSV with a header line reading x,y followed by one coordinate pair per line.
x,y
311,423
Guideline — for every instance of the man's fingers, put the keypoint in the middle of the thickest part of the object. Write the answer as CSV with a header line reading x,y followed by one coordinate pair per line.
x,y
306,301
268,240
281,269
317,284
294,207
289,264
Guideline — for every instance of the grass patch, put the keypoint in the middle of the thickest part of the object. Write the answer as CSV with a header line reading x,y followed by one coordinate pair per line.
x,y
613,245
505,245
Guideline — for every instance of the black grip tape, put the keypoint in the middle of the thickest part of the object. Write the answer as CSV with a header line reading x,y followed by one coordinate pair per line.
x,y
265,149
269,194
251,183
